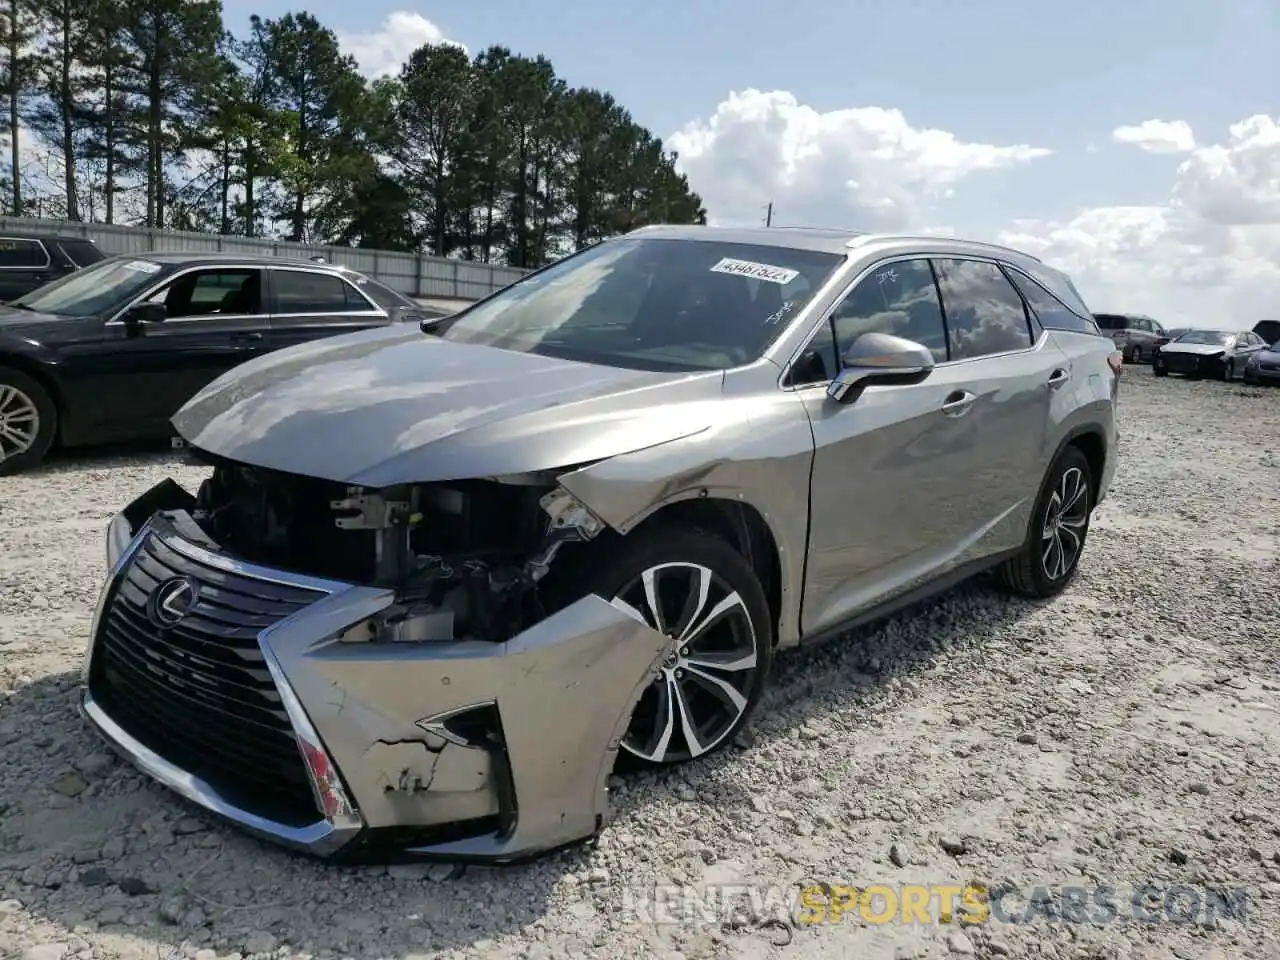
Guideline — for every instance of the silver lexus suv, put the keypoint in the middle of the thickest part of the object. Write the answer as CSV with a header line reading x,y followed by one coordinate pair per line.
x,y
440,578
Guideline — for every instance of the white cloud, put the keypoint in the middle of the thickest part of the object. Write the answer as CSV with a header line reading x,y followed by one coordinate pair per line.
x,y
864,166
380,53
1158,136
1209,255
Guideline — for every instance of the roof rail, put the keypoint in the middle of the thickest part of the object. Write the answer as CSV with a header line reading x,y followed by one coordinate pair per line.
x,y
934,236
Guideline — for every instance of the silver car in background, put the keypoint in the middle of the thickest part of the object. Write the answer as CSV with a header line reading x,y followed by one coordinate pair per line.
x,y
1220,354
440,579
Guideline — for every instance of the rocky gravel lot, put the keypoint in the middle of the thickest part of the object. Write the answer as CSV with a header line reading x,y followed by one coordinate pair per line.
x,y
1125,734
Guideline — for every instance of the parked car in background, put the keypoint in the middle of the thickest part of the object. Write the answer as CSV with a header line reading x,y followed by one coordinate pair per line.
x,y
111,352
1135,335
1222,354
1264,365
631,475
1268,330
28,261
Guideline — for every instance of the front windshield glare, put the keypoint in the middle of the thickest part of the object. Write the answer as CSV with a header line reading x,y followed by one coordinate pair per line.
x,y
1212,337
94,290
651,304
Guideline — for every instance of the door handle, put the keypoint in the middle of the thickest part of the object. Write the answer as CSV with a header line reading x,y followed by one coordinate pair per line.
x,y
254,337
1058,378
958,403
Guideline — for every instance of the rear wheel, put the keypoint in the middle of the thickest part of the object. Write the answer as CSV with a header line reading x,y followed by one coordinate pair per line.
x,y
696,589
1135,354
1059,526
28,421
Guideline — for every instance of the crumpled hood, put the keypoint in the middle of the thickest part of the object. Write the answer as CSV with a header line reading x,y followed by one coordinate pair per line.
x,y
391,405
1196,349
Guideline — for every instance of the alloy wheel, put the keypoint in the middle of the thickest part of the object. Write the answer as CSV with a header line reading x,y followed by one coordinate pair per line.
x,y
704,685
19,422
1065,520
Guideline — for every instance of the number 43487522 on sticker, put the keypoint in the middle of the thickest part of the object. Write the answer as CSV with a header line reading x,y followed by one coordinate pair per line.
x,y
756,271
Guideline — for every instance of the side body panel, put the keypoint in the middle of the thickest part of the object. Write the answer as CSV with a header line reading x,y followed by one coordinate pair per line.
x,y
903,493
760,454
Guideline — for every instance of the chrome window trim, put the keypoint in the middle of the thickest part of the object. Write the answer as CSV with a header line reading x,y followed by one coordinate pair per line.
x,y
818,326
114,319
48,260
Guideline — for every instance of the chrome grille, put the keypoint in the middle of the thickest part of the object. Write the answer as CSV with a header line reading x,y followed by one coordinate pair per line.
x,y
199,693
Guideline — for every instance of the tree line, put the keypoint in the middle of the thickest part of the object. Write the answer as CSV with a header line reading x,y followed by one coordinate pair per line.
x,y
151,112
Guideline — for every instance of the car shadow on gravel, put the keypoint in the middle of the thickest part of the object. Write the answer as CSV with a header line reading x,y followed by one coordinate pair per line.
x,y
86,842
133,453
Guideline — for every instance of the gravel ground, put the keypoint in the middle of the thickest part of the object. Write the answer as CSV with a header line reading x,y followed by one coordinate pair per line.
x,y
1124,734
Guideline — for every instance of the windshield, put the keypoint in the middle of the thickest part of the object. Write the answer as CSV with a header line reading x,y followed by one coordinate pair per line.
x,y
94,290
650,304
1213,337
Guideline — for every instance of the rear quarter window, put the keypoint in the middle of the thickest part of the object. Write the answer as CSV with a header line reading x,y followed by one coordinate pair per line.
x,y
1054,310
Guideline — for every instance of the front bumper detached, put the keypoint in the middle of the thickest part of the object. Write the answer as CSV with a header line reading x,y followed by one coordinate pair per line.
x,y
256,694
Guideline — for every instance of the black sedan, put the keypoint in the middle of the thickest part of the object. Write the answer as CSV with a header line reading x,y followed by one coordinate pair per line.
x,y
109,353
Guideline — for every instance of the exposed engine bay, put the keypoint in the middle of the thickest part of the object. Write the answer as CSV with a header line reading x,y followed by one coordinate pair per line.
x,y
465,558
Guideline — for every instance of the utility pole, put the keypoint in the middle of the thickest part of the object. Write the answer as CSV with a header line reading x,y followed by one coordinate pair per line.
x,y
768,216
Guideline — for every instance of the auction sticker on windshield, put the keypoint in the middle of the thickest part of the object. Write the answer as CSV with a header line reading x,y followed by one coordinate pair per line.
x,y
757,271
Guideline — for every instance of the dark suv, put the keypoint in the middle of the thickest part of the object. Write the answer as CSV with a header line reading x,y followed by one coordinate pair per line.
x,y
28,261
1135,335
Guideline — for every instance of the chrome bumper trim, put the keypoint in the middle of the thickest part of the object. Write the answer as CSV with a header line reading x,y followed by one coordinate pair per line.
x,y
320,838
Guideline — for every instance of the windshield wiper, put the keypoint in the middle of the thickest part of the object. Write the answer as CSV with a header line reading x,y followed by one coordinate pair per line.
x,y
19,306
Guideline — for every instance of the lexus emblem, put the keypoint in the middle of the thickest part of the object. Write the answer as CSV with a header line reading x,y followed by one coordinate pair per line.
x,y
172,601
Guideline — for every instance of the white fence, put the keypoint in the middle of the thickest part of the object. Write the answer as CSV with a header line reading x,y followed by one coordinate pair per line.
x,y
410,273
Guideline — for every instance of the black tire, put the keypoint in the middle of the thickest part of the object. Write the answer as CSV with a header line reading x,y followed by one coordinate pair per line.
x,y
46,411
1159,371
614,568
1029,574
1229,371
1135,354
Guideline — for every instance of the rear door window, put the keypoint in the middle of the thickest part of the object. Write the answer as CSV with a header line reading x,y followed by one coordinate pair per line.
x,y
307,292
984,312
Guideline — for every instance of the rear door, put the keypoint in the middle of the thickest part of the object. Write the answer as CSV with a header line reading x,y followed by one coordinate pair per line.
x,y
1008,371
24,265
308,304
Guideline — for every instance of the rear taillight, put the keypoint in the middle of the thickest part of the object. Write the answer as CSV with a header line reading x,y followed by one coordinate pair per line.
x,y
1116,362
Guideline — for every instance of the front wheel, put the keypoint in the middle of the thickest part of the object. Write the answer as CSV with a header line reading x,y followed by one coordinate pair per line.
x,y
1158,370
1056,536
28,421
1229,371
698,591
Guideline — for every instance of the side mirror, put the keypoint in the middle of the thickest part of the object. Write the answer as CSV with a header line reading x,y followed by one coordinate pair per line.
x,y
145,313
880,359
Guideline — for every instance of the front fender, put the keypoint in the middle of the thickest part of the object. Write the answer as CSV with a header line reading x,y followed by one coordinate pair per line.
x,y
759,456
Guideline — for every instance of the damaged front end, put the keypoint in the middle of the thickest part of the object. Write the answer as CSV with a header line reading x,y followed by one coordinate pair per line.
x,y
366,674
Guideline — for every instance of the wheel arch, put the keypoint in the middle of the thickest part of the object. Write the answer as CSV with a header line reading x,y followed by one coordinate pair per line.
x,y
738,523
40,374
1091,440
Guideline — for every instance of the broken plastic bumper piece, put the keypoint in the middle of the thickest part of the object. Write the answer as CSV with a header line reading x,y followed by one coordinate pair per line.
x,y
266,698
